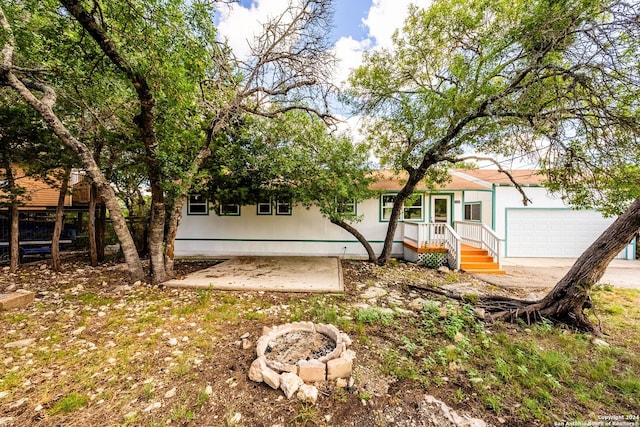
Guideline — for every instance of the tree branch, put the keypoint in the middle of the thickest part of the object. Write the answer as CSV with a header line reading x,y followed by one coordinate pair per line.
x,y
525,200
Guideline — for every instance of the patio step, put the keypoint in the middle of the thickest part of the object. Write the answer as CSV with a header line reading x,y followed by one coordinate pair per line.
x,y
476,260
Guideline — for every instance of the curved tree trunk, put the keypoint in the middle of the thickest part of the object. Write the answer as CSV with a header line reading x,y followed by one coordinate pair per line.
x,y
415,175
44,108
567,300
371,254
145,121
57,228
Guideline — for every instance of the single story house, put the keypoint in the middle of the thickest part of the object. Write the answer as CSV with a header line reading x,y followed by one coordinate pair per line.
x,y
476,205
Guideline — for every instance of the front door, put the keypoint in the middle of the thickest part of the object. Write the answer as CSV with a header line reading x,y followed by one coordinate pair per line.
x,y
441,209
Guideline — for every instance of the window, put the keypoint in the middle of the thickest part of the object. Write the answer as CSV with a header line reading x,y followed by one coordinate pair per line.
x,y
230,209
412,209
346,206
472,211
197,205
283,207
387,205
264,207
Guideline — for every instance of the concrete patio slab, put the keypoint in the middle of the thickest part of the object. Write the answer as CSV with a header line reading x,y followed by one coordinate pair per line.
x,y
280,274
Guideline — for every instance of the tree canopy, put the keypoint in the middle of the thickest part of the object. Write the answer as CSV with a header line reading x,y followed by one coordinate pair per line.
x,y
553,80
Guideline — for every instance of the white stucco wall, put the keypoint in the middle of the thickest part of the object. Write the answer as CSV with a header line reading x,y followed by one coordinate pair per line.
x,y
305,232
486,205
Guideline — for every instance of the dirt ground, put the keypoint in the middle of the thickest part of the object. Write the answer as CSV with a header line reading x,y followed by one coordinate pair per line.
x,y
527,281
105,352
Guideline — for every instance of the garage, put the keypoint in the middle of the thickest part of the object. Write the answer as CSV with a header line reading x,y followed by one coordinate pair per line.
x,y
549,233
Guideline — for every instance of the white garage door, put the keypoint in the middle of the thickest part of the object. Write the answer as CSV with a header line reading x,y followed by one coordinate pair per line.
x,y
552,233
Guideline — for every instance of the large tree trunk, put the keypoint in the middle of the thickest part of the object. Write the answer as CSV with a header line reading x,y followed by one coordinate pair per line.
x,y
57,229
156,237
145,121
415,175
175,217
567,300
370,253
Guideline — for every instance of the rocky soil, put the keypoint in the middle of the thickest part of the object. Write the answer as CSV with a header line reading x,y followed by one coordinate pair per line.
x,y
94,349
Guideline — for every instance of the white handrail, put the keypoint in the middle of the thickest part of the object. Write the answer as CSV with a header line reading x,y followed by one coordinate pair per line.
x,y
420,235
478,234
453,245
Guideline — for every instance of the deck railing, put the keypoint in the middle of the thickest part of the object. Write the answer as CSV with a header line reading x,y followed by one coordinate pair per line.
x,y
421,235
481,236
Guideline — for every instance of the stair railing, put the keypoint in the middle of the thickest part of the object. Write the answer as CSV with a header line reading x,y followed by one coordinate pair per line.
x,y
421,235
479,235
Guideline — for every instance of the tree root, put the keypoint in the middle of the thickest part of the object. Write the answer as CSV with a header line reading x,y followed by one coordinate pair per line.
x,y
507,309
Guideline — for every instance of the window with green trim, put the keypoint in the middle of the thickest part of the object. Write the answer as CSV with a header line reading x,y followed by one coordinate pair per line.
x,y
387,201
472,211
230,209
283,207
412,210
264,207
346,206
197,205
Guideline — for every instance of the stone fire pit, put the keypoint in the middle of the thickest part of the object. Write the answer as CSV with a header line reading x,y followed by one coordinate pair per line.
x,y
294,355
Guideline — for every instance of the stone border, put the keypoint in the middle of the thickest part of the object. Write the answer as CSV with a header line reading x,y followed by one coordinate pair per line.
x,y
16,299
290,377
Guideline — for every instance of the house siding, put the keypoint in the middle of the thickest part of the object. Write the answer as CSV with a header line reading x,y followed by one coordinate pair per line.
x,y
304,232
38,194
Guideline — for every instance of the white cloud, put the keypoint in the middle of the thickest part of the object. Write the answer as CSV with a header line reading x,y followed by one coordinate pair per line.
x,y
382,20
349,53
239,25
385,16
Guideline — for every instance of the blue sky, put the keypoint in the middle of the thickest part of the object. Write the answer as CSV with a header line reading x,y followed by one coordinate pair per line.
x,y
359,25
348,18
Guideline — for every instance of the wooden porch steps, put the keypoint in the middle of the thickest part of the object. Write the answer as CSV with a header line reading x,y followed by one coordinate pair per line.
x,y
476,260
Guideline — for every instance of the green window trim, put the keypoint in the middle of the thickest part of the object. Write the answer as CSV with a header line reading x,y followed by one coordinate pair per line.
x,y
347,206
264,208
283,207
197,204
386,206
472,211
229,209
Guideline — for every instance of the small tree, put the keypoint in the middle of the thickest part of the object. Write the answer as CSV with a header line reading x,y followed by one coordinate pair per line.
x,y
292,155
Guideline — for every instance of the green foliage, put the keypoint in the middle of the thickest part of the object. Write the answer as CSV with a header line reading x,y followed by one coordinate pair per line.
x,y
372,316
70,403
294,157
509,79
